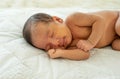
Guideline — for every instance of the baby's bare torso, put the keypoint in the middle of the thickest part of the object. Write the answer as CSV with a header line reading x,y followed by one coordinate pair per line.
x,y
83,32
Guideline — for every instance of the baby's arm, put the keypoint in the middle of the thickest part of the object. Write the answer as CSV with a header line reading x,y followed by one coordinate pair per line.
x,y
86,20
73,54
98,29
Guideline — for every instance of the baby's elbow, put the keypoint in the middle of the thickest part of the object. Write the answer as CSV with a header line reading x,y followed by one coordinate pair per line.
x,y
69,20
86,56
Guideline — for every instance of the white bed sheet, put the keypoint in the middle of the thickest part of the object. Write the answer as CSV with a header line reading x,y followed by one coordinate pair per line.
x,y
19,60
114,4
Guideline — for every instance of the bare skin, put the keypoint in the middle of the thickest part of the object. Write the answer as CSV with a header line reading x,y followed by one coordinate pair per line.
x,y
82,32
95,30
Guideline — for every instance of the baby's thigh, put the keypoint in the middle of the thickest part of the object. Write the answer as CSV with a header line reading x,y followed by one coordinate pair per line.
x,y
116,44
106,39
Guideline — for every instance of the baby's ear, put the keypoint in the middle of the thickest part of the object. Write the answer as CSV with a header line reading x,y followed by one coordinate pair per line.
x,y
55,18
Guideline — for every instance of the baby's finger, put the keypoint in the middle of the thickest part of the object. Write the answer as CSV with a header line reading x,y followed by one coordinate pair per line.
x,y
51,51
79,45
83,47
85,50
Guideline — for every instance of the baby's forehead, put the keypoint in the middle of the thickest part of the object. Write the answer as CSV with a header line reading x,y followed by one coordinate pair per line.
x,y
39,28
39,36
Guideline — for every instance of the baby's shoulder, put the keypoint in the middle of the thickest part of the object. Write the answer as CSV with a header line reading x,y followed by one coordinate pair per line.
x,y
80,19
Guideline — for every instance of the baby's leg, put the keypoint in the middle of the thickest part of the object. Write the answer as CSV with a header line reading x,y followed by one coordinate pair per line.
x,y
116,42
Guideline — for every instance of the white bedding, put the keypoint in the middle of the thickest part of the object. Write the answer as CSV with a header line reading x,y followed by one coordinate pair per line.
x,y
19,60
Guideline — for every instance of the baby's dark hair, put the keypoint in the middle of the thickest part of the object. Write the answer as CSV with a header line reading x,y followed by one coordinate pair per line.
x,y
32,22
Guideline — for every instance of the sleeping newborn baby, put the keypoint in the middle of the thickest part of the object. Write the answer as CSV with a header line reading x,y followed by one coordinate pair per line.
x,y
74,37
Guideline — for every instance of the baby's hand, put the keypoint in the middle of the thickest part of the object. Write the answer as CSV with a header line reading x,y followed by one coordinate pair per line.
x,y
85,45
54,53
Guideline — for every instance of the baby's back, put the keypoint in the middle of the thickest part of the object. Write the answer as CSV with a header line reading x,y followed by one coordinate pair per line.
x,y
109,34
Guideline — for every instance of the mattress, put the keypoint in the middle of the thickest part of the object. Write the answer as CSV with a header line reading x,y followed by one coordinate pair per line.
x,y
19,60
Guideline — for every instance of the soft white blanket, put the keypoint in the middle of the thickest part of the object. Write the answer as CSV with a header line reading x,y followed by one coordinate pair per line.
x,y
19,60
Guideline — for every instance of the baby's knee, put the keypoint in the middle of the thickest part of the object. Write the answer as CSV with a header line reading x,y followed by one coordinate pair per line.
x,y
117,29
116,44
117,26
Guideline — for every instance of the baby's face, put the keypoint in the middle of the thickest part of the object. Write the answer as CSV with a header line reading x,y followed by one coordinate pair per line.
x,y
52,35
